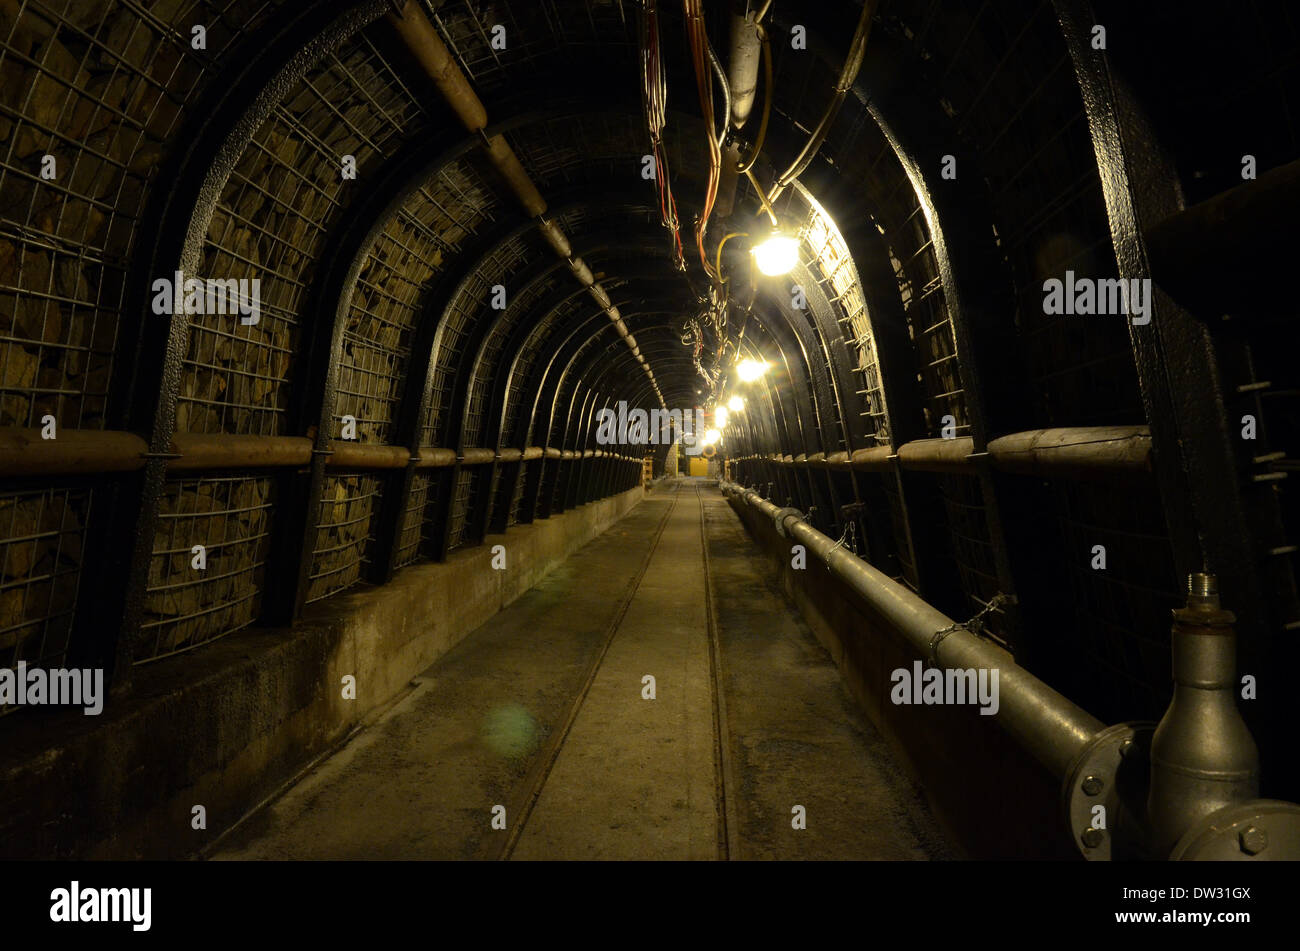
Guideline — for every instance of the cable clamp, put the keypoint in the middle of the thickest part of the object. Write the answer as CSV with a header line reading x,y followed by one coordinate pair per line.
x,y
974,626
850,534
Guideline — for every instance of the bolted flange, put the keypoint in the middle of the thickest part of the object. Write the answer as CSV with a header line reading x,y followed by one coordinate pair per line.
x,y
1105,790
780,516
1258,830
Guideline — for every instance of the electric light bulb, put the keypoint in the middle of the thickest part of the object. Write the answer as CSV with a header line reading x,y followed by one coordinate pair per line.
x,y
720,417
751,370
777,255
735,404
711,436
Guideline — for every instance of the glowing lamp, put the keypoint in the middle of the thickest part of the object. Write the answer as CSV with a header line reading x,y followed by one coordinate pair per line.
x,y
777,255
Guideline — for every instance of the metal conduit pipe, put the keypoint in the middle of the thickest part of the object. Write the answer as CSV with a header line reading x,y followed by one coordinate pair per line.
x,y
1046,724
422,39
742,69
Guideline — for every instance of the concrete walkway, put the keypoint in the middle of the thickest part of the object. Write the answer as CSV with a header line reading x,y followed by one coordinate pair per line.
x,y
539,721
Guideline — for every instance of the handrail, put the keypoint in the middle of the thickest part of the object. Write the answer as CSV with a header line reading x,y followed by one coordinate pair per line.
x,y
1046,724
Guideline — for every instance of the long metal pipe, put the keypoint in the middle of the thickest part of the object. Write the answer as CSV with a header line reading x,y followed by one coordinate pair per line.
x,y
742,67
1078,452
422,39
1046,724
24,453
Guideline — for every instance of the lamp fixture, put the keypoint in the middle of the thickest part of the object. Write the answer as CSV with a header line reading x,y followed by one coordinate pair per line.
x,y
751,370
778,254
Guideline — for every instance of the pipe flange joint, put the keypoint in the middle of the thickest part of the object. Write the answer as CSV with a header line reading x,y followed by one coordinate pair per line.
x,y
1104,793
781,515
1252,831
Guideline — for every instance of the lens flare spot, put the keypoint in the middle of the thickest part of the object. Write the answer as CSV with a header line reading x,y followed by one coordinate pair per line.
x,y
510,731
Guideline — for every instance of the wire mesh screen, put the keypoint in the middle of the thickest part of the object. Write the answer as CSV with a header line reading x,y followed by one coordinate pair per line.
x,y
1121,609
343,535
40,569
90,95
517,494
456,204
930,325
422,495
205,578
269,228
493,483
902,531
1011,91
831,257
474,302
491,42
561,153
525,380
485,376
972,549
461,499
379,328
564,472
440,483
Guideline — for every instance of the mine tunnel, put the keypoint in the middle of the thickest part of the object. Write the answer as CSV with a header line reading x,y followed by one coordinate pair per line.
x,y
647,429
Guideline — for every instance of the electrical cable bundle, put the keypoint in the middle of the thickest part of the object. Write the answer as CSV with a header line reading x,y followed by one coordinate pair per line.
x,y
703,59
655,99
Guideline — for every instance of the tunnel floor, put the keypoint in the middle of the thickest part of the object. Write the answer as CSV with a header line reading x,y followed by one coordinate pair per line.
x,y
545,712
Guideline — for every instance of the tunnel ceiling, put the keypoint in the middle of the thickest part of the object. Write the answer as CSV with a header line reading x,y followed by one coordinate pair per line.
x,y
252,129
411,300
121,89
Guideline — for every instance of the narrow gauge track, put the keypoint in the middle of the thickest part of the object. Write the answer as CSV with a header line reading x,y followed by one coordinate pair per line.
x,y
535,780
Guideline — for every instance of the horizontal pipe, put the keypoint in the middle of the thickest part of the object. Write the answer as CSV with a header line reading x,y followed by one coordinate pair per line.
x,y
199,451
937,455
509,455
875,459
1077,452
1046,724
358,455
531,453
477,457
434,458
23,452
99,452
